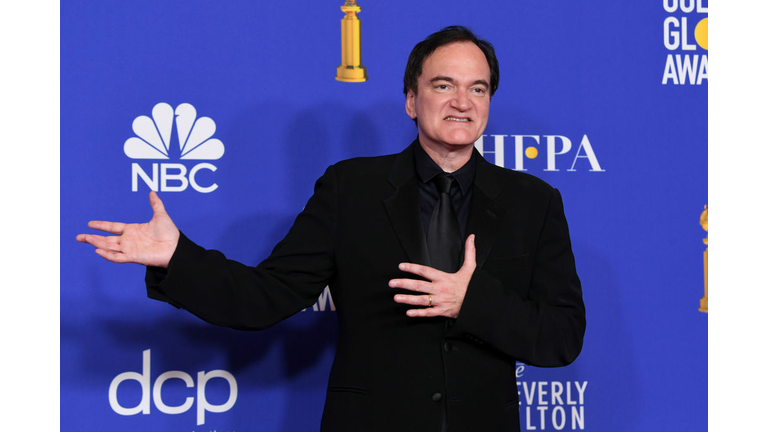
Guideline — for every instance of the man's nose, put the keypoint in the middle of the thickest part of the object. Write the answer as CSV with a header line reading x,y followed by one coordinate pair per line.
x,y
461,101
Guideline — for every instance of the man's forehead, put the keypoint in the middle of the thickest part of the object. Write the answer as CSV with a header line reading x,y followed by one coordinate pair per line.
x,y
455,58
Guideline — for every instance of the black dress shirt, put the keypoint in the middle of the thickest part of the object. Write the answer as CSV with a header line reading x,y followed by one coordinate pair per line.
x,y
461,190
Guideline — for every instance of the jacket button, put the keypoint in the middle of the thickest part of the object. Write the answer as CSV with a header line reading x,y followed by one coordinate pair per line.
x,y
447,346
437,397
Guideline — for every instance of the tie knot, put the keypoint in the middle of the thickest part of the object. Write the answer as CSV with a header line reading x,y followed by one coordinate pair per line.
x,y
443,183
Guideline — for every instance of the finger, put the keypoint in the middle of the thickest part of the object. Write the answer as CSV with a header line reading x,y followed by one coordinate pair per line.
x,y
156,203
100,242
421,270
411,285
115,257
111,244
421,300
424,312
470,253
110,227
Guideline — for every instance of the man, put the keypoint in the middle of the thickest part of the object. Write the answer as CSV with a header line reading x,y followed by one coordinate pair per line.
x,y
425,343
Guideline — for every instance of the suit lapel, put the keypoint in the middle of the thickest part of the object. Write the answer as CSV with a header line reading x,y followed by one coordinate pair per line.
x,y
403,207
485,216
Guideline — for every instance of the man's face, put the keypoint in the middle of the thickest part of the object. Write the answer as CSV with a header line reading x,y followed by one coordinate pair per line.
x,y
452,104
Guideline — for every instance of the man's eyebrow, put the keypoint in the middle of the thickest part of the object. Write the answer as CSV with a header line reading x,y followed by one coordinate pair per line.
x,y
441,78
450,80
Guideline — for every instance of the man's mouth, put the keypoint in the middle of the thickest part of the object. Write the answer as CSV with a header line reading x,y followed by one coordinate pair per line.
x,y
456,119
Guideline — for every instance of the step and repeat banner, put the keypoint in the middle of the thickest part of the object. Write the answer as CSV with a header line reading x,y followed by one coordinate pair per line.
x,y
231,110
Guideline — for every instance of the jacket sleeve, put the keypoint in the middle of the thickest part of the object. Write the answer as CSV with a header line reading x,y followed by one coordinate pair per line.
x,y
542,324
228,293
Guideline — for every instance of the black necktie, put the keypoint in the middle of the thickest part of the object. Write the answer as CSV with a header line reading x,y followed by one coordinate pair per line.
x,y
444,238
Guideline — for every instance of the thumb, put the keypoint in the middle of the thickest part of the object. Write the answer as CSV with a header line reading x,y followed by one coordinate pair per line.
x,y
469,255
156,203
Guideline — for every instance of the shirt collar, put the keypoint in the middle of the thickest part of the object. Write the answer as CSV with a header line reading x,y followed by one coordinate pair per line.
x,y
427,169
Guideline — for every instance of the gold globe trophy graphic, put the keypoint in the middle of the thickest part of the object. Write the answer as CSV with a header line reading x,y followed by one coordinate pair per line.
x,y
704,301
351,68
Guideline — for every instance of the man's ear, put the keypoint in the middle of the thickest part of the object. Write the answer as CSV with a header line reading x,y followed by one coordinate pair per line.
x,y
410,107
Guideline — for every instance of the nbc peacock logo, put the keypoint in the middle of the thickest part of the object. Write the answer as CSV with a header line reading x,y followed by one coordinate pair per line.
x,y
154,140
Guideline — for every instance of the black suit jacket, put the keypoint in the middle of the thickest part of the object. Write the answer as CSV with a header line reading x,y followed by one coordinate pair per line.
x,y
394,373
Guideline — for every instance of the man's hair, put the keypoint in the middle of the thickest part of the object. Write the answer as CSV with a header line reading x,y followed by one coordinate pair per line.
x,y
446,36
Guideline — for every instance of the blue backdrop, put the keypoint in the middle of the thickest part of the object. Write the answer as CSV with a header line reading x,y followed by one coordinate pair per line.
x,y
610,96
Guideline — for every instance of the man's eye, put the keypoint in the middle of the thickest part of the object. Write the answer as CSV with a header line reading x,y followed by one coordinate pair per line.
x,y
479,90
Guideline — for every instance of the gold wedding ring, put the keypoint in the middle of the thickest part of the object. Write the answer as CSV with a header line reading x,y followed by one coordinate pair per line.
x,y
430,301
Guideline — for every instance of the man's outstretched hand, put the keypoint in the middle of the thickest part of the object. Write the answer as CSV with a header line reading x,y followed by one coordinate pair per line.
x,y
150,244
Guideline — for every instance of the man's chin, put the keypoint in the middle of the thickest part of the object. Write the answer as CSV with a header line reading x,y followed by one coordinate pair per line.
x,y
456,140
462,139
